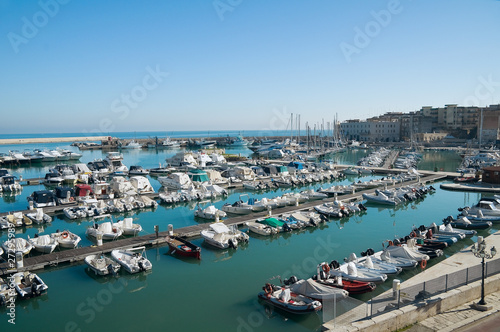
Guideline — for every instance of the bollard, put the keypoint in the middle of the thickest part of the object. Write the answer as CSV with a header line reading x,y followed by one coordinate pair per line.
x,y
31,205
270,211
99,239
396,284
157,229
170,229
19,260
217,218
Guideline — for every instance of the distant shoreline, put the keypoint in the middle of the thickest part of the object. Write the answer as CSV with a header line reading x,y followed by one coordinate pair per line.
x,y
9,141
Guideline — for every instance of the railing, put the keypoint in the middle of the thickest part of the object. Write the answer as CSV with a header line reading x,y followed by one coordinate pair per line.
x,y
356,310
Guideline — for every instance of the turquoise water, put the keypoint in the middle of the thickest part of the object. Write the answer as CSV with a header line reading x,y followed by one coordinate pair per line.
x,y
218,293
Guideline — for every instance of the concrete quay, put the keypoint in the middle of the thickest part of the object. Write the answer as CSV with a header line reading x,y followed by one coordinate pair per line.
x,y
443,312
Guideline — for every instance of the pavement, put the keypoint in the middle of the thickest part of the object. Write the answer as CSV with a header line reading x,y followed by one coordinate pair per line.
x,y
464,317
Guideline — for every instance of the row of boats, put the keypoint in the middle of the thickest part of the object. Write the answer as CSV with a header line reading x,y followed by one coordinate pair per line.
x,y
38,156
357,275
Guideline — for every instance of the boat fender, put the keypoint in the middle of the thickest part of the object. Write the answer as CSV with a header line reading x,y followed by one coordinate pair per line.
x,y
423,263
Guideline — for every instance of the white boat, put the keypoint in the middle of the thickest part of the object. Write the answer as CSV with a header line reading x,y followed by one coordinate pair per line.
x,y
385,256
182,158
239,207
131,145
66,239
380,198
17,244
366,263
349,271
115,161
141,185
312,195
133,260
28,284
176,181
408,251
221,236
137,170
74,212
102,265
210,212
169,144
128,227
486,208
43,243
260,228
106,229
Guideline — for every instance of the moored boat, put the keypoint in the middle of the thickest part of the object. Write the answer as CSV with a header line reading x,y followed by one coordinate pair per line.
x,y
133,260
290,302
102,265
182,247
28,284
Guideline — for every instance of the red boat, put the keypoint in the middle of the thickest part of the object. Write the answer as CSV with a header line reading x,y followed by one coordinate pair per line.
x,y
183,247
352,286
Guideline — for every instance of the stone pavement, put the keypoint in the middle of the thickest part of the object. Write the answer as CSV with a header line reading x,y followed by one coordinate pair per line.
x,y
463,315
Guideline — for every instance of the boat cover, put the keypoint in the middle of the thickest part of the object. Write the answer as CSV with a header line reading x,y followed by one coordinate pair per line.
x,y
273,222
219,228
311,288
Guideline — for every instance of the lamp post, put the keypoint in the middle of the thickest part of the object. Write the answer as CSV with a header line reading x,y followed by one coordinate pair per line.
x,y
479,250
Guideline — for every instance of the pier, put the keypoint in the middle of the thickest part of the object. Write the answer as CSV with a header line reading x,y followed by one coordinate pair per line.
x,y
78,254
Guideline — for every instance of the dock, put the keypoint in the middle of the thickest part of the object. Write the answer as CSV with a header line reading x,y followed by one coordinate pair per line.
x,y
76,255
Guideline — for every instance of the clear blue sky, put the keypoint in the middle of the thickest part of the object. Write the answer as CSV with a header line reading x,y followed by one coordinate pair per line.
x,y
239,64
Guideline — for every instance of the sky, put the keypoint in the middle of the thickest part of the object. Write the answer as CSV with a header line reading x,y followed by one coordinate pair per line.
x,y
166,65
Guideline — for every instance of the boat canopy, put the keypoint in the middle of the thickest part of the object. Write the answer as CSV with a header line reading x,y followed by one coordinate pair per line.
x,y
83,190
219,228
43,196
198,175
296,164
9,179
281,169
64,192
273,222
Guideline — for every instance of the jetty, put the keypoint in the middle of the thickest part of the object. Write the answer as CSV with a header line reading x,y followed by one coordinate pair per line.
x,y
158,238
12,141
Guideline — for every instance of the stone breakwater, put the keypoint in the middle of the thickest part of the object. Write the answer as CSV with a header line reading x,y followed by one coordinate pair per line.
x,y
8,141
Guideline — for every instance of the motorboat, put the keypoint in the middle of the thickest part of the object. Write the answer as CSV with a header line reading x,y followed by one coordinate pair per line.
x,y
9,183
210,212
449,230
64,195
275,224
329,210
260,229
352,286
128,227
17,244
486,208
380,198
463,222
366,263
176,181
182,247
141,185
74,212
221,236
28,284
42,198
238,207
115,161
16,219
168,143
133,260
284,299
131,145
408,251
349,271
314,290
102,265
309,218
66,239
107,230
313,195
43,243
137,170
473,217
385,256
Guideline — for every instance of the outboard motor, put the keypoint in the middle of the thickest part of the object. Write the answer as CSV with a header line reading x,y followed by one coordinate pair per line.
x,y
334,265
313,222
362,207
292,280
431,188
232,243
396,242
323,217
370,252
141,266
422,228
286,228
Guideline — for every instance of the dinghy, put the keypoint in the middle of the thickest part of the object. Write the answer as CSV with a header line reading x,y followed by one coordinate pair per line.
x,y
28,284
290,302
102,265
43,243
182,247
66,239
133,260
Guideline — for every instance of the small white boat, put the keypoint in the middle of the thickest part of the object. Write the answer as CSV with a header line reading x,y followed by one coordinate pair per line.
x,y
221,236
39,217
107,230
128,227
43,243
312,195
366,263
17,244
210,212
380,198
385,256
28,284
66,239
132,260
260,229
102,265
239,207
74,213
132,145
349,271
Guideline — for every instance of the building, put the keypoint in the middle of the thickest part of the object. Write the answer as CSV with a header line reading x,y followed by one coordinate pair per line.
x,y
371,131
491,175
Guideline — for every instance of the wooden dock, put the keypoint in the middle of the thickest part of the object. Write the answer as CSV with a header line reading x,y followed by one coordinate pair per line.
x,y
78,254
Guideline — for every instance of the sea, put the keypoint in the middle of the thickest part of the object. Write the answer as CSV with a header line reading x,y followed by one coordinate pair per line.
x,y
218,292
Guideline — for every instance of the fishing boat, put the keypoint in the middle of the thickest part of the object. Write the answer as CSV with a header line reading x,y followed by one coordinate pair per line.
x,y
66,239
133,260
43,243
182,247
131,145
28,284
284,299
102,265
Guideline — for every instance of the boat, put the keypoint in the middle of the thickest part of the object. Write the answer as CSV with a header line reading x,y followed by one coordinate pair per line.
x,y
349,271
39,217
210,212
66,239
221,236
64,195
102,265
385,256
352,286
131,145
137,170
17,244
74,212
9,183
169,144
42,198
314,290
486,208
28,284
287,301
408,251
238,207
367,263
275,224
133,260
182,247
176,181
128,227
43,243
261,229
141,185
463,222
380,198
107,230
